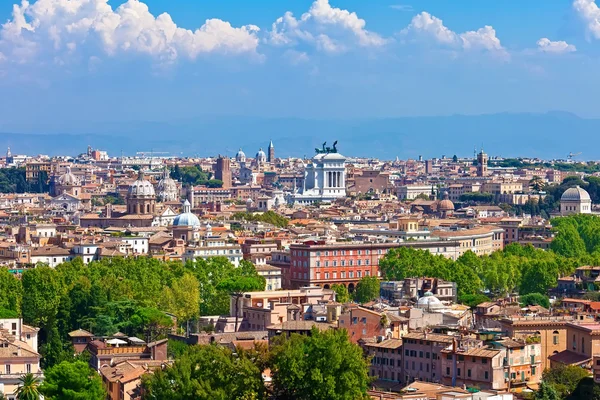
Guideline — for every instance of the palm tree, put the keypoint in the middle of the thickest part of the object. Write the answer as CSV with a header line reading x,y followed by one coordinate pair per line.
x,y
28,388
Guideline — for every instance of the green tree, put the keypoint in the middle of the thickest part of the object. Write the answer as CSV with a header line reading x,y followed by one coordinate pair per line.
x,y
367,289
341,293
183,298
567,242
534,299
72,381
28,388
323,365
42,290
472,300
564,378
586,389
214,183
11,291
206,373
546,392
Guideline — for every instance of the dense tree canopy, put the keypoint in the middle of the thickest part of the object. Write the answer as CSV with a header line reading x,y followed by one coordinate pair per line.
x,y
72,381
12,180
194,175
564,378
516,268
206,373
324,365
130,295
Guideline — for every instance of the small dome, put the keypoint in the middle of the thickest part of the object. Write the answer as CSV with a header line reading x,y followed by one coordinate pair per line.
x,y
261,156
575,194
141,188
249,201
68,179
429,301
187,218
240,156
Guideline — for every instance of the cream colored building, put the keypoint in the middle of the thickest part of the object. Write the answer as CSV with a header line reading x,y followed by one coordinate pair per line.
x,y
18,355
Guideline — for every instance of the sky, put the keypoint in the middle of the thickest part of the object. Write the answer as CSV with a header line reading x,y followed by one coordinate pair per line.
x,y
67,63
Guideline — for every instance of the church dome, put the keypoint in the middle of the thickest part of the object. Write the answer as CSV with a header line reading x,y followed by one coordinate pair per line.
x,y
141,188
261,156
187,218
575,194
68,179
429,301
446,204
167,187
240,156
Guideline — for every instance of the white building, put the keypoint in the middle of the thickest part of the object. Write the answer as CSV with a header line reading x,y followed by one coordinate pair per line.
x,y
214,247
410,192
324,179
575,200
138,245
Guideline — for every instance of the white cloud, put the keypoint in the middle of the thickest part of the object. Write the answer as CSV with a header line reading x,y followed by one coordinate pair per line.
x,y
330,29
559,47
426,27
65,25
590,13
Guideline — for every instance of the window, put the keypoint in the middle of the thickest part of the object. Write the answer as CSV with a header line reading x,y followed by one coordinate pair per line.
x,y
447,370
421,354
484,360
7,368
486,375
427,355
458,371
28,368
469,373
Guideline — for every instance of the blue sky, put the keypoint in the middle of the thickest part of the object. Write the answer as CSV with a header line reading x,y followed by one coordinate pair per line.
x,y
67,63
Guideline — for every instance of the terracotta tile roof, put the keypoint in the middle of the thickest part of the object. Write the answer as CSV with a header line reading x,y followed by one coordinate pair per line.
x,y
386,344
433,337
569,358
81,333
476,352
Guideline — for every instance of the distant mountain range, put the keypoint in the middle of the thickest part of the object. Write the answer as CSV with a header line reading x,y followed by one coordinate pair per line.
x,y
549,135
